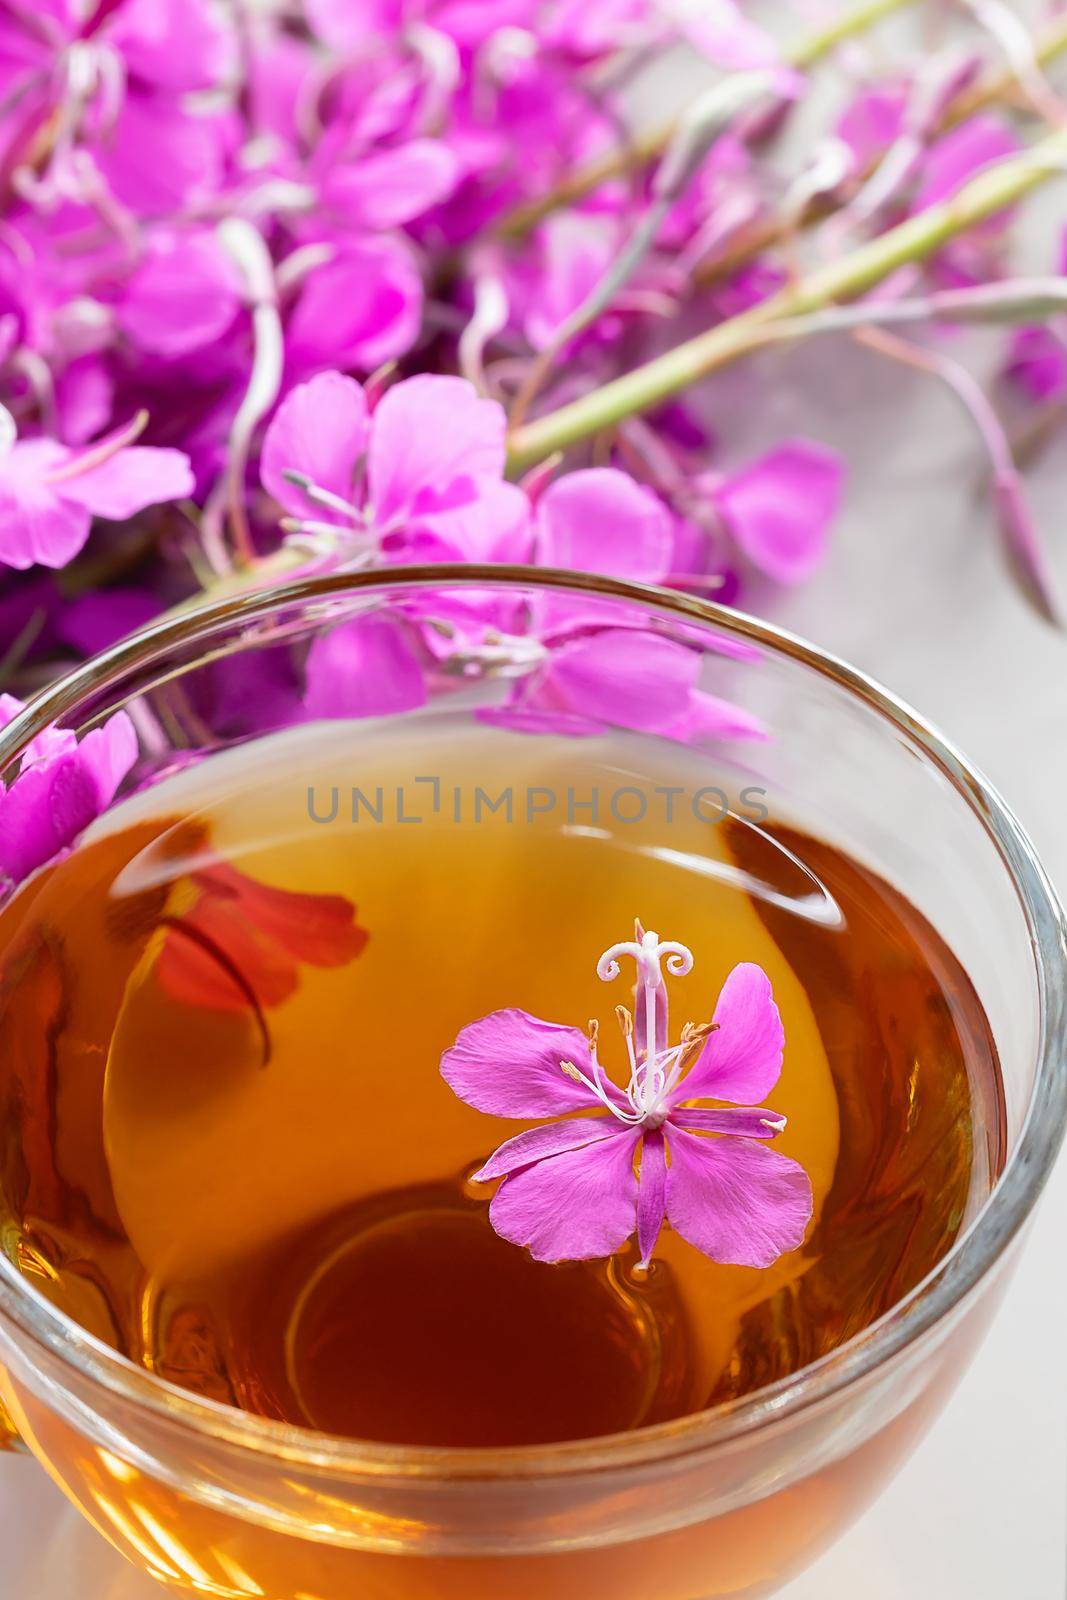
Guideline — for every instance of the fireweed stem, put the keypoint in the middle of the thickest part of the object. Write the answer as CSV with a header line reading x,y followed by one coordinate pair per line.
x,y
914,240
645,147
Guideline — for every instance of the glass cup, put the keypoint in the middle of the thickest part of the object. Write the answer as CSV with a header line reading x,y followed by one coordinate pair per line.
x,y
732,1501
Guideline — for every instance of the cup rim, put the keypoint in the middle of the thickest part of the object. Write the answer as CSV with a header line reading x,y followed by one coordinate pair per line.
x,y
945,1289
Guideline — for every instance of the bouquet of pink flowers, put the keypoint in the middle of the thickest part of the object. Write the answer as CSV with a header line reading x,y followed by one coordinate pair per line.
x,y
329,285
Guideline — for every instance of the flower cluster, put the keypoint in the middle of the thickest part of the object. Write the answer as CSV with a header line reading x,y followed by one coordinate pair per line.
x,y
319,284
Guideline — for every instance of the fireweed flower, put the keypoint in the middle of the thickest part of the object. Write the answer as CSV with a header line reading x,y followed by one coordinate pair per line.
x,y
579,1187
49,494
422,478
99,96
62,786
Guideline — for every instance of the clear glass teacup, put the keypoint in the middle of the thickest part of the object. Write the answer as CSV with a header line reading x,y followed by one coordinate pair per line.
x,y
729,1501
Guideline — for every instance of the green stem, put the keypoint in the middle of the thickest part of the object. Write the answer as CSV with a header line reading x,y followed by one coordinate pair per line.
x,y
645,147
845,279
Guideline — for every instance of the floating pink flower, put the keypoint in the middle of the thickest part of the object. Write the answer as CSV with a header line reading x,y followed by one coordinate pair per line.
x,y
49,494
63,785
579,1187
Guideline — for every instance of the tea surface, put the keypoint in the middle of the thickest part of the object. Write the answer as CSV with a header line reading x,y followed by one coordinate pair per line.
x,y
227,1148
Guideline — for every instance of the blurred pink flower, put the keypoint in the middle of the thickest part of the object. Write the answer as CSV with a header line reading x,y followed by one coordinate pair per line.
x,y
184,293
63,785
358,309
50,494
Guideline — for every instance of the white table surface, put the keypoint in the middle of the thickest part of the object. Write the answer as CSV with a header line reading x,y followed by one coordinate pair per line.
x,y
913,592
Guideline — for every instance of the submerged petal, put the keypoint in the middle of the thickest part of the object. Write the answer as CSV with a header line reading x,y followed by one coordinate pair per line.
x,y
575,1206
509,1064
742,1059
550,1139
735,1200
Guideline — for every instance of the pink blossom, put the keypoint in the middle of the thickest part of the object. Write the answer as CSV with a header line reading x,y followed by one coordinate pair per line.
x,y
63,785
779,510
358,309
183,294
599,520
114,84
873,122
423,477
50,494
580,1187
371,667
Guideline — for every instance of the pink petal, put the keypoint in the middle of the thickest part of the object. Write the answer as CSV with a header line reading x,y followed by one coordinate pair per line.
x,y
364,668
624,678
526,717
358,310
781,507
50,804
873,122
391,187
600,520
493,525
707,717
322,430
742,1060
958,155
551,1139
160,157
651,1194
429,431
575,251
746,1122
177,45
184,295
107,754
735,1200
132,479
509,1065
85,400
36,525
573,1207
1038,363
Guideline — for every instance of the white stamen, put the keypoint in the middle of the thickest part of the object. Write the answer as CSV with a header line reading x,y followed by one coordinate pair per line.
x,y
654,1073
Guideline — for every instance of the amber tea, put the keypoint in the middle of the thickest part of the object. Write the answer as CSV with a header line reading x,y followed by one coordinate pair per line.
x,y
229,1151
